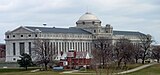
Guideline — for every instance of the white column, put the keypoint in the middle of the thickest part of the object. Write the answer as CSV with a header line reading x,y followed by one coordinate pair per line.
x,y
57,44
54,47
69,45
77,46
82,46
17,48
74,45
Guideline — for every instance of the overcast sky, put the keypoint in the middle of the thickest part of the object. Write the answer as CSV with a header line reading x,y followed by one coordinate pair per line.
x,y
130,15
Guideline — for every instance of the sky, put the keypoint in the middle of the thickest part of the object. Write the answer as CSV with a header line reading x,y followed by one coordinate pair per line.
x,y
128,15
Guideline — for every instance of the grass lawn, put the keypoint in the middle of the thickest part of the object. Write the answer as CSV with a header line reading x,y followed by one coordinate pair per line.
x,y
29,73
9,64
7,70
153,70
36,73
112,70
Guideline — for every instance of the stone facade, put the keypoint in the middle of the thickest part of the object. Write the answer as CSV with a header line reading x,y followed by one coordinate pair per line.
x,y
79,38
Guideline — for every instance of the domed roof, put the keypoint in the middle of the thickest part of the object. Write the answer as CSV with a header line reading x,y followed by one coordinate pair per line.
x,y
88,16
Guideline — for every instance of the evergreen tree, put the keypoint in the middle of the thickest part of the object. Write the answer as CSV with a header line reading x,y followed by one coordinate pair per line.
x,y
25,60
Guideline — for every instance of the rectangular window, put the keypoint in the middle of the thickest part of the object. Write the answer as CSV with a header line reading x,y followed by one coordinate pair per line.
x,y
36,35
78,46
65,46
60,47
73,46
14,49
29,47
70,45
21,47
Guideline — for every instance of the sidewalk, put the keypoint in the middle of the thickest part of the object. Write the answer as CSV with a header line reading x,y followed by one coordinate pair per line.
x,y
69,71
136,69
124,72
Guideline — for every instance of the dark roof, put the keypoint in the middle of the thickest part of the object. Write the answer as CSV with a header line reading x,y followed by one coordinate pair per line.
x,y
127,33
71,30
74,30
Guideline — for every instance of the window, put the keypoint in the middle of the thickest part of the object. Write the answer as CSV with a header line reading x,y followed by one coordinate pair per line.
x,y
94,31
29,47
83,23
35,35
14,49
106,31
13,35
29,35
21,47
70,45
14,58
7,36
21,35
56,35
93,22
60,46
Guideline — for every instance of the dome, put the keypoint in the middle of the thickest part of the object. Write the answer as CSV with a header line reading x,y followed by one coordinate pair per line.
x,y
88,16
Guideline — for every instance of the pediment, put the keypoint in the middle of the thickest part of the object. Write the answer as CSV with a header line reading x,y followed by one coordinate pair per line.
x,y
22,30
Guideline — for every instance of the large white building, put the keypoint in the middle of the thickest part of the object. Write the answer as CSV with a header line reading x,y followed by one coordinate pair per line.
x,y
80,37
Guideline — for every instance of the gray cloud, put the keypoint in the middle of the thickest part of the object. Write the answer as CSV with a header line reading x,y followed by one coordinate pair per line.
x,y
137,15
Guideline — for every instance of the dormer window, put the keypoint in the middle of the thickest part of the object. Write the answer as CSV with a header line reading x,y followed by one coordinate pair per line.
x,y
21,35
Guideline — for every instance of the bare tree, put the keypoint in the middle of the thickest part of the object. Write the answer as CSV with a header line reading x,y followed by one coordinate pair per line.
x,y
156,53
45,52
123,51
103,48
137,52
146,41
102,54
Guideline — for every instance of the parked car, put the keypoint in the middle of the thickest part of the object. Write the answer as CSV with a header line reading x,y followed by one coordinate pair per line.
x,y
58,68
